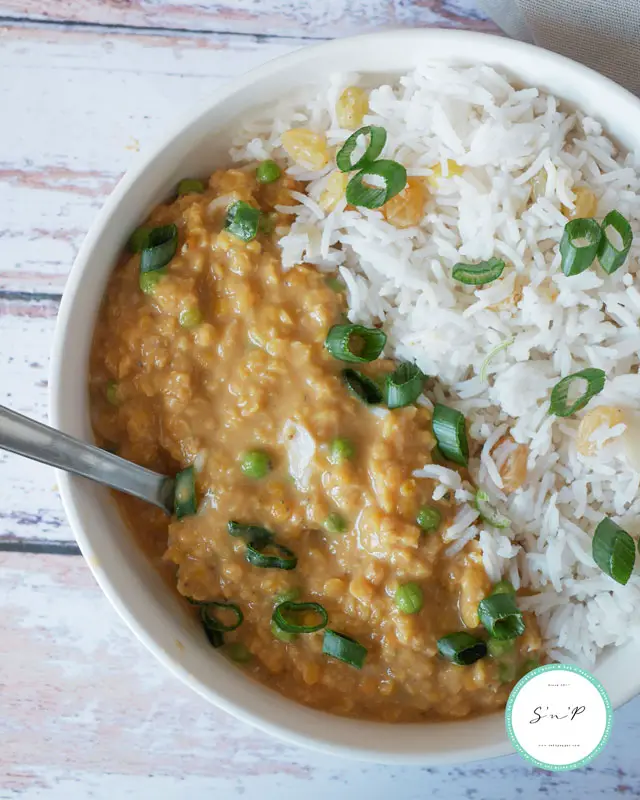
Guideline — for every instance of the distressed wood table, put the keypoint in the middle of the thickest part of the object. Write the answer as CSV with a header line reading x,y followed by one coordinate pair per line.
x,y
85,711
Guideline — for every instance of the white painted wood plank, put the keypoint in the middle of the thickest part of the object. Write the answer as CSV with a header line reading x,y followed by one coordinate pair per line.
x,y
88,713
103,97
277,17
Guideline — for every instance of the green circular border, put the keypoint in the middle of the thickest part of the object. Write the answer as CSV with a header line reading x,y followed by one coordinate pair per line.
x,y
553,668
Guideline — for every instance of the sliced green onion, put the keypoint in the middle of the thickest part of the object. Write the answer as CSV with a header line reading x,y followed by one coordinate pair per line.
x,y
404,385
149,280
242,221
255,464
185,493
190,318
344,648
159,249
502,346
500,647
611,257
478,274
501,616
139,239
503,587
579,245
393,175
239,653
284,617
377,138
216,638
286,596
270,555
282,635
613,551
409,598
355,343
213,622
267,223
112,393
451,434
461,648
335,523
559,406
190,186
362,387
250,533
429,518
489,513
341,450
335,284
267,171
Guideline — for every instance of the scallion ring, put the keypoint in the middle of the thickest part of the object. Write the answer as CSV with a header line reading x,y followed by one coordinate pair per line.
x,y
501,616
250,533
610,256
613,551
160,247
362,387
139,239
560,406
355,343
242,221
451,434
478,274
213,622
285,614
461,648
579,245
489,513
377,138
270,555
344,648
404,385
184,498
392,175
216,638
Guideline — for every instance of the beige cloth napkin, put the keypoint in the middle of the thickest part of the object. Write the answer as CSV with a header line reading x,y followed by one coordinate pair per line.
x,y
603,34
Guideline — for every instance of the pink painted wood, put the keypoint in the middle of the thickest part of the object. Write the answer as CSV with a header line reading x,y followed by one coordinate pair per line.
x,y
271,17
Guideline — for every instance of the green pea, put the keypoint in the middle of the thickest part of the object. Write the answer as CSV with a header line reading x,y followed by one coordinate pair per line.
x,y
507,671
286,596
500,647
255,463
409,598
335,284
530,664
335,523
238,652
268,171
282,635
503,587
190,186
429,518
341,450
149,280
112,393
190,317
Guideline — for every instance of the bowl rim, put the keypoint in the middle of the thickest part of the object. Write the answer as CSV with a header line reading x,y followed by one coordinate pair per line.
x,y
64,325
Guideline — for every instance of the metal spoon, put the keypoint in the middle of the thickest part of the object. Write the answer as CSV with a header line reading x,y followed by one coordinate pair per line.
x,y
31,439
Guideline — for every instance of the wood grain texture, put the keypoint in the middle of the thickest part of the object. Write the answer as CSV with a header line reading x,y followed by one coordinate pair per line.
x,y
325,18
87,713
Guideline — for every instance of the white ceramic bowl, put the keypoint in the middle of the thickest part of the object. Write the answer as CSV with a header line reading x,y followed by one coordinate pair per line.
x,y
200,144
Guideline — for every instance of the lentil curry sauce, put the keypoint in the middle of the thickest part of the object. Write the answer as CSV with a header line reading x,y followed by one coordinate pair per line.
x,y
220,363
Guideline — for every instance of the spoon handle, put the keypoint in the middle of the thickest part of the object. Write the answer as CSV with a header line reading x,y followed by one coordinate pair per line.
x,y
31,439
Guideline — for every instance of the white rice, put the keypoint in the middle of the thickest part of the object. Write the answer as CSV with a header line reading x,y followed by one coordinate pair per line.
x,y
504,137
